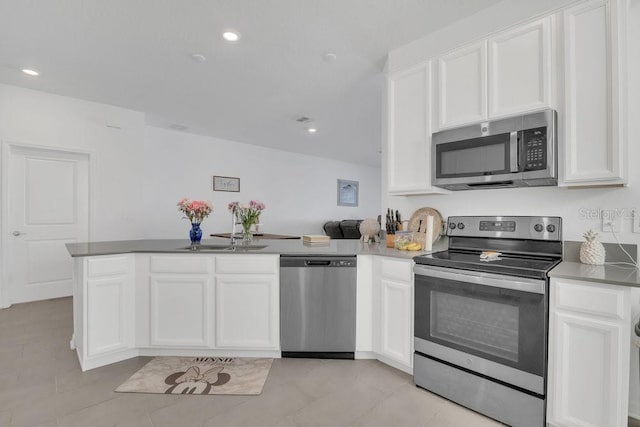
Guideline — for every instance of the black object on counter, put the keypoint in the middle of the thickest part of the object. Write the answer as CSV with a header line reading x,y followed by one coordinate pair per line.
x,y
345,229
350,228
332,229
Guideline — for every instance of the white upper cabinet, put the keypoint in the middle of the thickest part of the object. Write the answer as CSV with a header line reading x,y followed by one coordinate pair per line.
x,y
506,74
595,87
462,86
409,131
520,69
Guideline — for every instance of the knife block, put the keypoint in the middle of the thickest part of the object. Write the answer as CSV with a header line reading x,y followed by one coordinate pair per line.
x,y
391,240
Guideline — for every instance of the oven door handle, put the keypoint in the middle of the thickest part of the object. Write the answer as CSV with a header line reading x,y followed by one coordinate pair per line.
x,y
522,284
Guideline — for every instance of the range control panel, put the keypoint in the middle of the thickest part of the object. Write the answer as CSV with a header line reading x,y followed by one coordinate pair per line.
x,y
534,143
512,227
498,226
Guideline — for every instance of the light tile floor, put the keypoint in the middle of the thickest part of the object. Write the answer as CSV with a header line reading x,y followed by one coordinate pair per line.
x,y
41,385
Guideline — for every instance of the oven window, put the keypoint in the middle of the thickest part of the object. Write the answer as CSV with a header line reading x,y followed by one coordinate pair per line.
x,y
486,326
502,325
475,160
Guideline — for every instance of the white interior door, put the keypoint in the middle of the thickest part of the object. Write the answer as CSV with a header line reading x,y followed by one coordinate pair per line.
x,y
48,206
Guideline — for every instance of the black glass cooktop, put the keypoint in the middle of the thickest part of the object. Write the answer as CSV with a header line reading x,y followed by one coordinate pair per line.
x,y
511,265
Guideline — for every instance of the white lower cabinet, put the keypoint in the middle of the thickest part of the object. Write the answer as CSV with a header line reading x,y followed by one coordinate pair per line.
x,y
393,312
589,350
247,312
176,302
103,309
180,310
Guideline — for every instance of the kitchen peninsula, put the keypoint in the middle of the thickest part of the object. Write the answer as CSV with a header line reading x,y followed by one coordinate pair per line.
x,y
162,297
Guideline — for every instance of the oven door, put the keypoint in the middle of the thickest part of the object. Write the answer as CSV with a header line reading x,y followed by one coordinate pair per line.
x,y
486,323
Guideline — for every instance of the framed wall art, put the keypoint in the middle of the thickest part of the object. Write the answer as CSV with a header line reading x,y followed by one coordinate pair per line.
x,y
226,183
347,192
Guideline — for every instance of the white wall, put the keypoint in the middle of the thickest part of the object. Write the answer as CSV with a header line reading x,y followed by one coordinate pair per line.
x,y
569,204
41,119
139,173
299,190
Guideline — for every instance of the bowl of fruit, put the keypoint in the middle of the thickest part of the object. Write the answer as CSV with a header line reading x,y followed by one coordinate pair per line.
x,y
404,241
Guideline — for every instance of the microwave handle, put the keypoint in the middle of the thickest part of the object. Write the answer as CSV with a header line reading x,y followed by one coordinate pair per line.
x,y
513,151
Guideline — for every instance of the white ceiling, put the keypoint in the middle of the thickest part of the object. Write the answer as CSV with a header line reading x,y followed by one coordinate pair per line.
x,y
137,54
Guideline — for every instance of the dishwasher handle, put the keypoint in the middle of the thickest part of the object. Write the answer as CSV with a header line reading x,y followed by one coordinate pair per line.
x,y
312,263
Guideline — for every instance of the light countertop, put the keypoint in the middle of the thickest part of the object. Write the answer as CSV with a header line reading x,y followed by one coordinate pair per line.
x,y
280,247
612,274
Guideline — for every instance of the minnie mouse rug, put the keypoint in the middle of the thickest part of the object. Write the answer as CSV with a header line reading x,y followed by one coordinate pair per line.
x,y
200,375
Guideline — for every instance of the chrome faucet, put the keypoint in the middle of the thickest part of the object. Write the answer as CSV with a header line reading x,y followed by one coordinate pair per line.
x,y
234,222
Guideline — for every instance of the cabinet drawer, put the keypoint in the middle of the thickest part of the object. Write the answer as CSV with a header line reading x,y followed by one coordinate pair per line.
x,y
180,264
247,264
107,266
397,269
599,299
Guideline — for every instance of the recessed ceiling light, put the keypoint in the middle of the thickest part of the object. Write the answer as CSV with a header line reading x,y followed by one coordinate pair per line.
x,y
329,57
198,57
312,129
30,72
231,36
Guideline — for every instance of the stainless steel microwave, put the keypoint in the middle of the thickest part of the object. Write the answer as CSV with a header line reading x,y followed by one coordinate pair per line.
x,y
518,151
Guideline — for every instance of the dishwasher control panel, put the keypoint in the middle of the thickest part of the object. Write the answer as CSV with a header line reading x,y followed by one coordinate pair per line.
x,y
321,261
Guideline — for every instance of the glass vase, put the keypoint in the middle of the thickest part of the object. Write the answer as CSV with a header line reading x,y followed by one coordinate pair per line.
x,y
247,235
195,234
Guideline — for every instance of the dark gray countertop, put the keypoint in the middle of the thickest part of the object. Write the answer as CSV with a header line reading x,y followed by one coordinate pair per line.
x,y
280,247
611,274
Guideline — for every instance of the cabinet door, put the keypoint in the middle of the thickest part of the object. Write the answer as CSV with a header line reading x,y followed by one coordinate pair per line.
x,y
462,86
396,334
585,384
409,131
595,90
109,291
520,69
247,312
180,310
109,325
589,349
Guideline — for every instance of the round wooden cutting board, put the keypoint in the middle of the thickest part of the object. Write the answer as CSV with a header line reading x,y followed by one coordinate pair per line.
x,y
418,224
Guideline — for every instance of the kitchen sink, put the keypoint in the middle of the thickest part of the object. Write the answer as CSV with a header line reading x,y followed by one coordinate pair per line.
x,y
225,248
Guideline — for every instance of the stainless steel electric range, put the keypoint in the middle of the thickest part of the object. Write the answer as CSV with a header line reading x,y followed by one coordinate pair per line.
x,y
481,315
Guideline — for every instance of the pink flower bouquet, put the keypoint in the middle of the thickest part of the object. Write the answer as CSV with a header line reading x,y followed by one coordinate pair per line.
x,y
195,210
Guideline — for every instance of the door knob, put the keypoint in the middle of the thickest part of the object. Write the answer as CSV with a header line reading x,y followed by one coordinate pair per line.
x,y
17,233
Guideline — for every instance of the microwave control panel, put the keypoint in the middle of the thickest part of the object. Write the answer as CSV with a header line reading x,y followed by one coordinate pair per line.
x,y
534,144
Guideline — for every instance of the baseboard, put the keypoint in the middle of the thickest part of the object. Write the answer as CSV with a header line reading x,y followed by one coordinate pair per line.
x,y
398,365
365,355
274,354
96,362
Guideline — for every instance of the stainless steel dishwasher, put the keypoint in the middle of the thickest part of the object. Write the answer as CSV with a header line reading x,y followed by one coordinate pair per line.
x,y
318,306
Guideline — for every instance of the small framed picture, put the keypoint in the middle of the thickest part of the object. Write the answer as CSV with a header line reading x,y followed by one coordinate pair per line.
x,y
347,193
226,183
